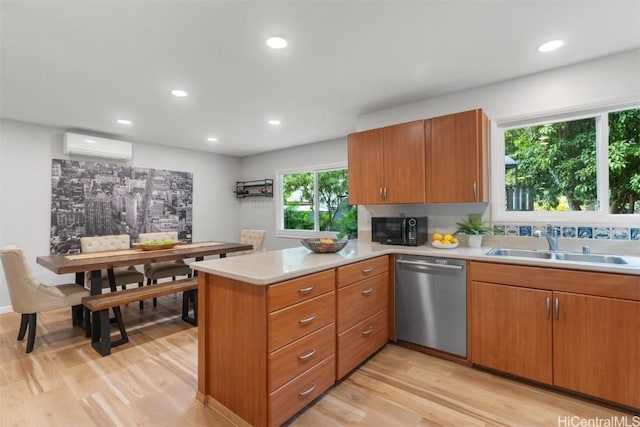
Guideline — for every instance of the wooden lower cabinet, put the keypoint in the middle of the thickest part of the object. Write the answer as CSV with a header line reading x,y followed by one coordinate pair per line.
x,y
300,391
265,352
596,344
547,332
511,330
359,342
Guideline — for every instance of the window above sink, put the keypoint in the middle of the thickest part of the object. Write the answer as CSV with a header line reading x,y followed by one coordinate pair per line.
x,y
568,168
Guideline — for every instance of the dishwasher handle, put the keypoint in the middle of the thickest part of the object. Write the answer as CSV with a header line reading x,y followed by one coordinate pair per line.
x,y
429,264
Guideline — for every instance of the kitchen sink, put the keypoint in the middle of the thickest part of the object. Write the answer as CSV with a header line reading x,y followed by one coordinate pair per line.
x,y
560,256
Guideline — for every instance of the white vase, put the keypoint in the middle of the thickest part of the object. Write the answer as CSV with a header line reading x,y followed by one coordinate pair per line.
x,y
475,240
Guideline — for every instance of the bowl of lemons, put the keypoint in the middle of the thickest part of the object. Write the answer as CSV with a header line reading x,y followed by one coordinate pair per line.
x,y
324,245
444,241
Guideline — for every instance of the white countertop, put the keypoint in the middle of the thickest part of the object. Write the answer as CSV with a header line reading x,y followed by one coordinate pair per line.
x,y
274,266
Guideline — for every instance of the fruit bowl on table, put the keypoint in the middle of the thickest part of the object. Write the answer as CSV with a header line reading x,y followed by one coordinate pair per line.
x,y
441,245
157,245
324,245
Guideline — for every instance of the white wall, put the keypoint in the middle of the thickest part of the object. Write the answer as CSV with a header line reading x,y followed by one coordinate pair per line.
x,y
260,212
610,80
25,180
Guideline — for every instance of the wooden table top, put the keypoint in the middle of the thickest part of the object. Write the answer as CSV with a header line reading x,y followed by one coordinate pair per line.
x,y
75,263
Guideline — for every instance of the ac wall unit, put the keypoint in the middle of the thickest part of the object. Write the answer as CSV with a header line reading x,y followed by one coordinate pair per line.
x,y
93,146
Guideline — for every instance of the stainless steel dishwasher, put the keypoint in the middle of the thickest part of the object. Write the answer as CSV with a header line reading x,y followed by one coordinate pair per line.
x,y
431,302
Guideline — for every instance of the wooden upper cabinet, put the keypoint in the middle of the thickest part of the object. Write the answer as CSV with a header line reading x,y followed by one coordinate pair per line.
x,y
404,163
457,158
386,165
366,167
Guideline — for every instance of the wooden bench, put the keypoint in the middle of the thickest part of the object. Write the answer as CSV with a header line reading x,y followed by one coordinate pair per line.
x,y
99,306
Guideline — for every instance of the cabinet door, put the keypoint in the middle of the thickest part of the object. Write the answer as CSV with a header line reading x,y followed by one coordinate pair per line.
x,y
510,330
457,158
593,352
366,167
404,163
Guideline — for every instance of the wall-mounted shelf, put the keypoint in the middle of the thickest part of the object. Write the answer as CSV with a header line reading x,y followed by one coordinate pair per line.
x,y
257,188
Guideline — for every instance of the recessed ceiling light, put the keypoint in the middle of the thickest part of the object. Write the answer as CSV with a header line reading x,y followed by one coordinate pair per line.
x,y
179,93
277,42
124,121
212,139
274,122
550,45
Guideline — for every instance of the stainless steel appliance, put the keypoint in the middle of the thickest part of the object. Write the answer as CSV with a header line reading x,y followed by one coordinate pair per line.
x,y
408,231
431,302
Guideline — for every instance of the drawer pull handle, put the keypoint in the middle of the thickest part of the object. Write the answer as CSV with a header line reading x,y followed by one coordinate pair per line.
x,y
548,307
367,270
307,391
307,320
308,355
367,291
307,289
368,331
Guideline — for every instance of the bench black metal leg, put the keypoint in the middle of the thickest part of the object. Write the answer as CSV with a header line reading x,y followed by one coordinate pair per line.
x,y
187,298
101,335
87,322
141,302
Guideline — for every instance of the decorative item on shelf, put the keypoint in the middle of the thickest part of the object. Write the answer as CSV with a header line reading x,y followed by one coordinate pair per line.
x,y
256,188
155,245
324,245
474,228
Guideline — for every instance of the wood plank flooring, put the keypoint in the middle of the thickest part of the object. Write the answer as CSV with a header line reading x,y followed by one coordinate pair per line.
x,y
152,381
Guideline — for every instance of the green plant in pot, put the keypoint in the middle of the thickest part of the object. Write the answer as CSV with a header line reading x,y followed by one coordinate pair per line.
x,y
474,228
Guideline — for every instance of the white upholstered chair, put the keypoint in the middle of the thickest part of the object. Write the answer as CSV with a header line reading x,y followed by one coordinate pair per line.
x,y
251,237
123,275
161,270
29,297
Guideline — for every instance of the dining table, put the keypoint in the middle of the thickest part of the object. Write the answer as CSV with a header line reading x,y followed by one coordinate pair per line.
x,y
94,262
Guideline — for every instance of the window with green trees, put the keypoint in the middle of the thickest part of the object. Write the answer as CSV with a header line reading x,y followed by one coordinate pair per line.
x,y
317,201
584,164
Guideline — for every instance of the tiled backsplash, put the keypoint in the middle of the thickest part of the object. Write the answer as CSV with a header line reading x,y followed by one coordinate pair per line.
x,y
573,231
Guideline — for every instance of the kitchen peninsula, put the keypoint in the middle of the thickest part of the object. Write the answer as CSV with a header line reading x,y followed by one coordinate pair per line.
x,y
252,343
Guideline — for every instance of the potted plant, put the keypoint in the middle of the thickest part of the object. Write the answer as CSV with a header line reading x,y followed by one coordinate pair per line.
x,y
474,228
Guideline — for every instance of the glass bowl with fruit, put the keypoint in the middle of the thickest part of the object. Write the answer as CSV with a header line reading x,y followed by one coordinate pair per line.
x,y
444,241
324,245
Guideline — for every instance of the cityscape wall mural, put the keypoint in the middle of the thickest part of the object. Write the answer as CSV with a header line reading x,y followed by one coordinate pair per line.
x,y
97,199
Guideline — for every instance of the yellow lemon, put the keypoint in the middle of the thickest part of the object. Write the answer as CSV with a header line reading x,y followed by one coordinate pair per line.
x,y
454,240
447,237
437,236
437,241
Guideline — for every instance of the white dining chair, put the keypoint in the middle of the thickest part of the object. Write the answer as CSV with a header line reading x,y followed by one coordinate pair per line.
x,y
251,237
123,275
29,297
155,271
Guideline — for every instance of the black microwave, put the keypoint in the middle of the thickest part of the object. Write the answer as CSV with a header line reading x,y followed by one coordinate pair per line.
x,y
409,231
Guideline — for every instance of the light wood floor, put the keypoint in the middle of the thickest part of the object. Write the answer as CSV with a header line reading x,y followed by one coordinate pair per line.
x,y
152,381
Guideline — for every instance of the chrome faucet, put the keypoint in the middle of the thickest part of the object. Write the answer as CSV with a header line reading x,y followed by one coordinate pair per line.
x,y
553,241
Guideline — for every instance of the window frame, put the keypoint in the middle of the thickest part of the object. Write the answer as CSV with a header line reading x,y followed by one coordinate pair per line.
x,y
278,193
601,215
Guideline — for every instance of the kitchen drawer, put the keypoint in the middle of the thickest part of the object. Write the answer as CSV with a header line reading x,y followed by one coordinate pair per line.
x,y
294,291
361,341
361,270
360,300
301,391
295,358
293,322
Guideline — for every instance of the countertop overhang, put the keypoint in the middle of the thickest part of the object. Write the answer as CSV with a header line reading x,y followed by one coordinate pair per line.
x,y
270,267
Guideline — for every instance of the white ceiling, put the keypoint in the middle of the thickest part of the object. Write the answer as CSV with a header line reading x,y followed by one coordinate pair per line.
x,y
80,65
